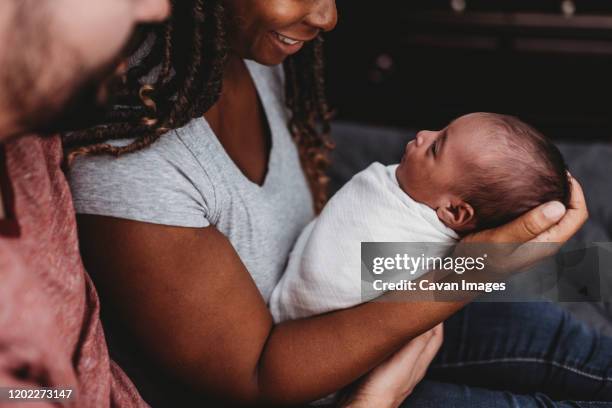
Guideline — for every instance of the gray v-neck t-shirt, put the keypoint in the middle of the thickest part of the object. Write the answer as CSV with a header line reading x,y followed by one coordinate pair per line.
x,y
187,179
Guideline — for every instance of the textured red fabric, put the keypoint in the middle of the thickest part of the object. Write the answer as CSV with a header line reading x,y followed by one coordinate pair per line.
x,y
50,333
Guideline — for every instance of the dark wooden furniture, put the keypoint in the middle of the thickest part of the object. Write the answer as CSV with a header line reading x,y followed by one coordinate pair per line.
x,y
419,64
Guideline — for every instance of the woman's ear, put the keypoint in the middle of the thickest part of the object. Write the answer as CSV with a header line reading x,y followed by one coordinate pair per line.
x,y
457,215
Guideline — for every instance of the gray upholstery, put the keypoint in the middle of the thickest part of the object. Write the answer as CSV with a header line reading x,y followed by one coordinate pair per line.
x,y
591,163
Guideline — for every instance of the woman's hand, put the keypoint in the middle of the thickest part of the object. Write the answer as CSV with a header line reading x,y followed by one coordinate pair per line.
x,y
530,238
389,384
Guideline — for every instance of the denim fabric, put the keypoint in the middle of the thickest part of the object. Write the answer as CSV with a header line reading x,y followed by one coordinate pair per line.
x,y
518,355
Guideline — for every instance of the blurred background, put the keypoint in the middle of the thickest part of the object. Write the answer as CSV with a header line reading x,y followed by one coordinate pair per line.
x,y
420,63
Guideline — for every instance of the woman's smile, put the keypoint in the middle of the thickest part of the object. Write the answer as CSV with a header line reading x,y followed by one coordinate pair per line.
x,y
270,31
287,45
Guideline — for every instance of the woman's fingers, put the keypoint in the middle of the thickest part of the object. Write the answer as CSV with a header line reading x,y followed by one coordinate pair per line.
x,y
536,235
549,242
575,217
406,357
392,381
429,352
503,244
414,358
531,225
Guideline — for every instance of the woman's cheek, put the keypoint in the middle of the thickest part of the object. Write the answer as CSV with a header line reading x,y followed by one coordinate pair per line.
x,y
278,14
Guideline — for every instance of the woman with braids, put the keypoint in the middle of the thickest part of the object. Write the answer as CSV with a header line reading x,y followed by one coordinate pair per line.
x,y
191,193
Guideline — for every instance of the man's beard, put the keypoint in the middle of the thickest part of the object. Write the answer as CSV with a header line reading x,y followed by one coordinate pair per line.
x,y
86,105
89,97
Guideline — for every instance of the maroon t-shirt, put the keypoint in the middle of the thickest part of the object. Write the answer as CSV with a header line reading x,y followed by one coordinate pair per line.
x,y
50,331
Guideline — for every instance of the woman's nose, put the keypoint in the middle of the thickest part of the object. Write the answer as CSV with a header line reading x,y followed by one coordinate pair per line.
x,y
324,15
151,11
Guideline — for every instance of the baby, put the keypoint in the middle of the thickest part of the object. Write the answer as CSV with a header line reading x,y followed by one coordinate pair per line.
x,y
481,171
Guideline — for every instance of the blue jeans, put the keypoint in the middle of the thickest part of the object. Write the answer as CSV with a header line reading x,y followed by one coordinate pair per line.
x,y
518,355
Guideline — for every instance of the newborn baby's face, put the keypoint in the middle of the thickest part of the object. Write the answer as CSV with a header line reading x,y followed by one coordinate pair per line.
x,y
436,160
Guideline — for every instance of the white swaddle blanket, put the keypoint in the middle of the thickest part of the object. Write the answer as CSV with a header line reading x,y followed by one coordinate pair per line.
x,y
324,269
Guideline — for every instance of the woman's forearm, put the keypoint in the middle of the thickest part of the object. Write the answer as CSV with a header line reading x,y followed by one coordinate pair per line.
x,y
310,358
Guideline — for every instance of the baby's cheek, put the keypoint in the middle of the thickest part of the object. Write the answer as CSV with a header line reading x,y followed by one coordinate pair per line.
x,y
416,188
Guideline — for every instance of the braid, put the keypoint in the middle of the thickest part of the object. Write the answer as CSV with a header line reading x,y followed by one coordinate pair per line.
x,y
166,69
305,94
183,78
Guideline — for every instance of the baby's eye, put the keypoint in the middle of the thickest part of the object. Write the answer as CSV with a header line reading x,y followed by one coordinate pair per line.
x,y
434,147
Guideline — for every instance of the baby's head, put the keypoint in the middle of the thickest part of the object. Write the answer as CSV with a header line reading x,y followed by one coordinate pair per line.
x,y
482,171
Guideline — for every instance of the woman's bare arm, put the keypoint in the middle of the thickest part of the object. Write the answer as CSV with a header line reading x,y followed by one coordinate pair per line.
x,y
190,303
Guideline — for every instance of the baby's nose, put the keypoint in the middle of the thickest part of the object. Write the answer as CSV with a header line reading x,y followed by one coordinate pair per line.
x,y
420,139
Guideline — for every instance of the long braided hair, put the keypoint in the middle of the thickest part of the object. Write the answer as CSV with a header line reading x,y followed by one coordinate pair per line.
x,y
187,59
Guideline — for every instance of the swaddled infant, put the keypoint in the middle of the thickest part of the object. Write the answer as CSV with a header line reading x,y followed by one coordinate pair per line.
x,y
481,171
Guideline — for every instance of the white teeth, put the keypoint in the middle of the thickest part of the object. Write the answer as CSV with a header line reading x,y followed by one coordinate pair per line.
x,y
287,40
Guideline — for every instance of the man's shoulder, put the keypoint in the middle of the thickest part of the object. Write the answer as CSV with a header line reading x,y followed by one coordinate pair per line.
x,y
34,152
34,166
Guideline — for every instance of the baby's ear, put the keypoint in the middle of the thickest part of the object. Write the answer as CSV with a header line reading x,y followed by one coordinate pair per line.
x,y
457,215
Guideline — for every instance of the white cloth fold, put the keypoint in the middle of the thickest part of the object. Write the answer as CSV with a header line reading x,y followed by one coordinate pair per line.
x,y
324,268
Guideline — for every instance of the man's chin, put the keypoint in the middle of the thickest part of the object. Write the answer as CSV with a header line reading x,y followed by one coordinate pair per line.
x,y
79,113
85,108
